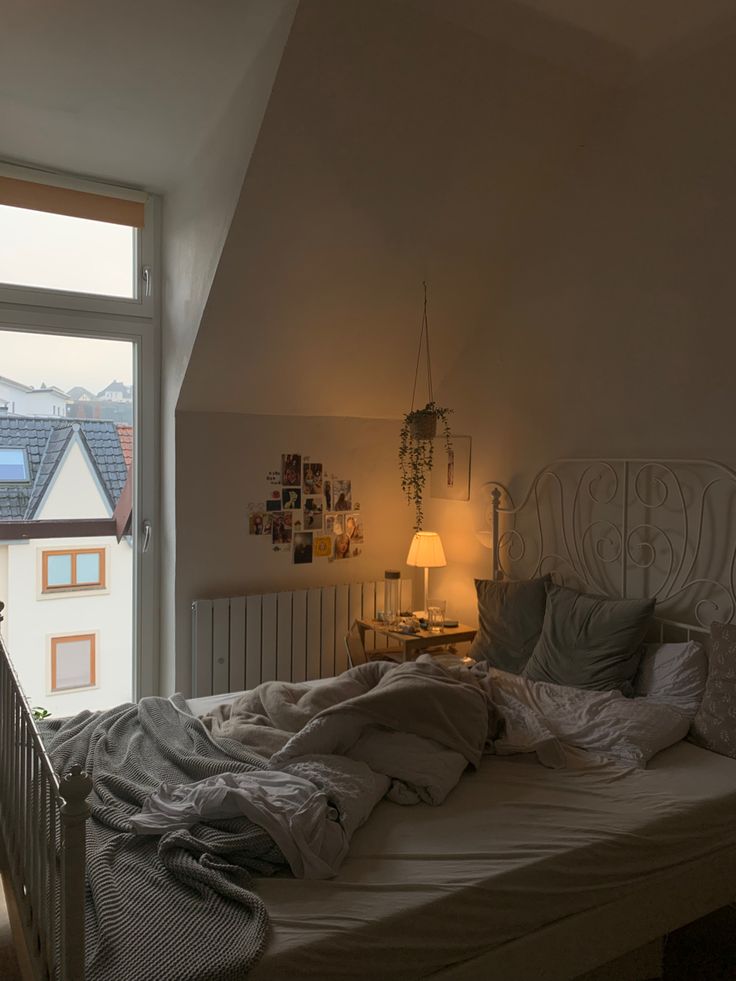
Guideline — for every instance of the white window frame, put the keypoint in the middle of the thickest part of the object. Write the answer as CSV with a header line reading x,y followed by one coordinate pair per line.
x,y
37,314
144,304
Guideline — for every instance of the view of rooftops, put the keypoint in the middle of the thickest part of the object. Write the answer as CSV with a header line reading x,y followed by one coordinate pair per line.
x,y
66,558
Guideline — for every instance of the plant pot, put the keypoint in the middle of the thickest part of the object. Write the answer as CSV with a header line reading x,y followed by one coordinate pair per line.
x,y
424,425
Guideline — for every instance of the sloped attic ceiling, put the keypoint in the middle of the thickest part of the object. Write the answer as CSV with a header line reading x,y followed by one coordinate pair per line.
x,y
125,92
406,140
395,147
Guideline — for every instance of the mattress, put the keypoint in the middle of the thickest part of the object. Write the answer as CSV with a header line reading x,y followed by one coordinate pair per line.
x,y
515,848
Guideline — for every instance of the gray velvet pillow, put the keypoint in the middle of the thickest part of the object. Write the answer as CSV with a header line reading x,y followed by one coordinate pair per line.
x,y
714,726
589,641
510,617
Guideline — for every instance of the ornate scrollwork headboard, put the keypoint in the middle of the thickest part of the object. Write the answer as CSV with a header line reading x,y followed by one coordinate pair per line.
x,y
627,528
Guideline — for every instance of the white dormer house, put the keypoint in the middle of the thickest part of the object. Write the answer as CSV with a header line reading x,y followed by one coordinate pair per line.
x,y
69,600
116,392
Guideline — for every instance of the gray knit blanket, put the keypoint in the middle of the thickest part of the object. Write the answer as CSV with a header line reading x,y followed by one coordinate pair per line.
x,y
147,897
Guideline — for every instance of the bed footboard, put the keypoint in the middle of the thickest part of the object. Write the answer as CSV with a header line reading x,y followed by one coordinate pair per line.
x,y
42,838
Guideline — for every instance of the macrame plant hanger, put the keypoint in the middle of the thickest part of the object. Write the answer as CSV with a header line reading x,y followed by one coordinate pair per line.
x,y
424,421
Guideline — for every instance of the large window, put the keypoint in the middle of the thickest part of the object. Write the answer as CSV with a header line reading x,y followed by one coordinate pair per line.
x,y
73,662
73,569
78,269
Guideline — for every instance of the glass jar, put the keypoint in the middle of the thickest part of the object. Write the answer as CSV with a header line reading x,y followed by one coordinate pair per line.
x,y
391,607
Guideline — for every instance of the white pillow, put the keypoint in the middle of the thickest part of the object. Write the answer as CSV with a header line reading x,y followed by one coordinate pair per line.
x,y
673,674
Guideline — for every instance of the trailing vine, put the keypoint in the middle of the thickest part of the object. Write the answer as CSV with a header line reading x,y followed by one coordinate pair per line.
x,y
416,455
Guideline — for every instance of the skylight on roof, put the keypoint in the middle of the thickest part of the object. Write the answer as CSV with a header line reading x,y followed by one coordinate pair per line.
x,y
13,465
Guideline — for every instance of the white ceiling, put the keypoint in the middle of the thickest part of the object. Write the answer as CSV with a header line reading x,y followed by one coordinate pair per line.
x,y
123,91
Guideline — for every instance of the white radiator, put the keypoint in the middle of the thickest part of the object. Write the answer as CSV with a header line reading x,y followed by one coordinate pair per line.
x,y
241,641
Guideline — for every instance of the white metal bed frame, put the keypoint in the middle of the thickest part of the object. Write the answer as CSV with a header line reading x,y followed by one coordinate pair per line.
x,y
605,523
42,818
42,841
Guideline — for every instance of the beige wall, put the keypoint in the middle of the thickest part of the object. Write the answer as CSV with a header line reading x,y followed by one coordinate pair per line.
x,y
615,334
196,218
577,239
396,146
222,463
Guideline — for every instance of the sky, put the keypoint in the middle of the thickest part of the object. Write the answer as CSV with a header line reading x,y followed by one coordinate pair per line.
x,y
34,359
57,252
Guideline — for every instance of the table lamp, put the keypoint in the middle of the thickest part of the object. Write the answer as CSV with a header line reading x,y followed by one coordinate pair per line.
x,y
426,552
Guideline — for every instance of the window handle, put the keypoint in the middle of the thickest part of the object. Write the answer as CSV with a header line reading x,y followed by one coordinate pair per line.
x,y
146,536
147,276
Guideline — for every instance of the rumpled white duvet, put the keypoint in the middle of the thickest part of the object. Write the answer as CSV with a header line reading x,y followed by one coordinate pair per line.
x,y
406,732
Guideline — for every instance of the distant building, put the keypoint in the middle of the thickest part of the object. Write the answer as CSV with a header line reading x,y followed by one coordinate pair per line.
x,y
79,394
24,400
121,412
69,600
116,392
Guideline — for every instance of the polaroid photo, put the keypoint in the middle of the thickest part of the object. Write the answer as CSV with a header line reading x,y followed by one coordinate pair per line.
x,y
291,499
302,547
259,523
322,546
354,528
312,478
313,513
342,547
280,529
297,522
291,470
334,524
342,498
327,485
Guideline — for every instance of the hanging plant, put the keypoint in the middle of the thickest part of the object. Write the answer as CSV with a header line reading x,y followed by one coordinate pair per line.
x,y
418,430
416,453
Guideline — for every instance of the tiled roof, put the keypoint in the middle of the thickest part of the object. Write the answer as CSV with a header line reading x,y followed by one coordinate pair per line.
x,y
126,441
45,440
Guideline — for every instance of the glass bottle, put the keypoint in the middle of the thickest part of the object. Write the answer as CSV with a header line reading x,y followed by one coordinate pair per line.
x,y
391,610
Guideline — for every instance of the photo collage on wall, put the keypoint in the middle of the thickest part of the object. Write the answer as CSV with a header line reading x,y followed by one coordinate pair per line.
x,y
308,512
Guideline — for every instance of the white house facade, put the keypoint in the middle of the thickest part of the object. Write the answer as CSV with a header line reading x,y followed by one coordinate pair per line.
x,y
68,618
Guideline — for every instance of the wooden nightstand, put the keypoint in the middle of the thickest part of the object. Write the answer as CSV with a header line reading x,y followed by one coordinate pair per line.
x,y
414,644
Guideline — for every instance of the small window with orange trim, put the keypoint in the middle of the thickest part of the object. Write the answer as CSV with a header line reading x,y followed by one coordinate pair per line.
x,y
73,662
66,570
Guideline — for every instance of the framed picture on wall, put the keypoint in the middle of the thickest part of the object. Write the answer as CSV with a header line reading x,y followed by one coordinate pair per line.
x,y
450,475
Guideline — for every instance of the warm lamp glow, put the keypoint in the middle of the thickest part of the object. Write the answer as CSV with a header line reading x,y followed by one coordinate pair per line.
x,y
426,552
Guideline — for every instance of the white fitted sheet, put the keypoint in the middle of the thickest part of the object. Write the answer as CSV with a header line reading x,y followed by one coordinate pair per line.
x,y
514,848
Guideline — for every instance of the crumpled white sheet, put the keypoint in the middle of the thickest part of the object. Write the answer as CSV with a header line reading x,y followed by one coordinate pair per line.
x,y
420,769
551,718
311,808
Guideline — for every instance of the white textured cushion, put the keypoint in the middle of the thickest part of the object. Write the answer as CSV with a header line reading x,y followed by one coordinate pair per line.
x,y
674,674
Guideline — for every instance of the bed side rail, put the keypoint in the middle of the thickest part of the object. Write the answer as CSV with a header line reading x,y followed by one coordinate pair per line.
x,y
42,832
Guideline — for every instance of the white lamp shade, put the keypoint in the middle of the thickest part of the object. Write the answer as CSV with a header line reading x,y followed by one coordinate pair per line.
x,y
426,550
